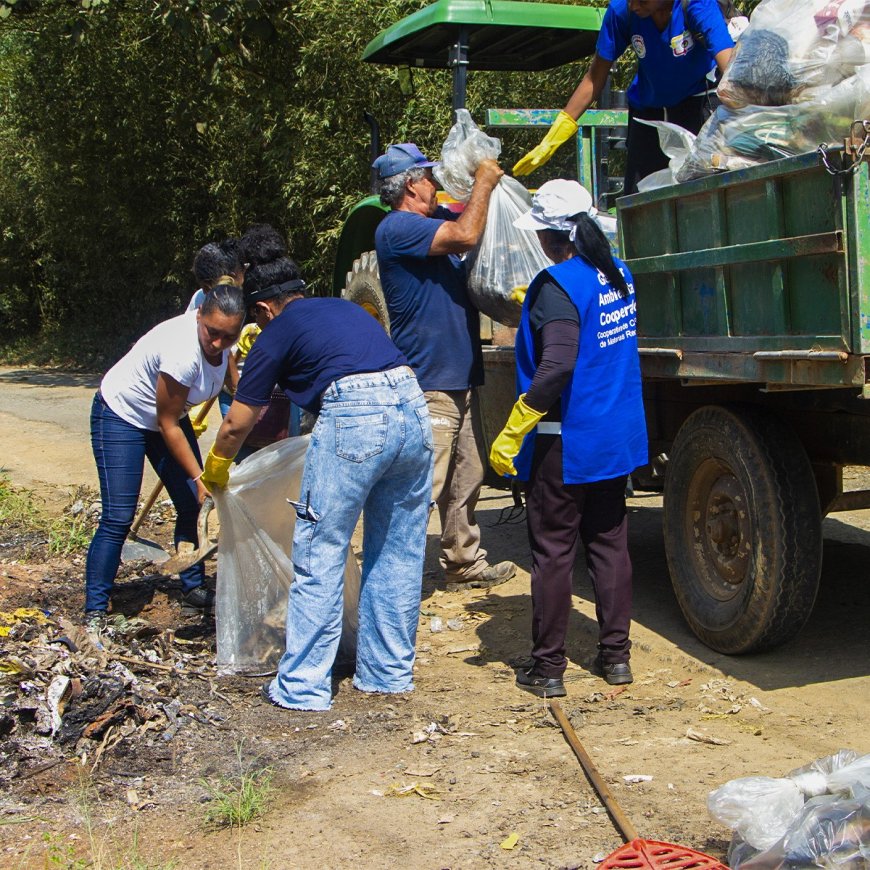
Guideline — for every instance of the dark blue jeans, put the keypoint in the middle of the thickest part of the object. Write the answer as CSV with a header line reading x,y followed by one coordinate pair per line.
x,y
120,450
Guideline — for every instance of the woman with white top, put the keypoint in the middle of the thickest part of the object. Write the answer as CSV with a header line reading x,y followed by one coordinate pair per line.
x,y
140,411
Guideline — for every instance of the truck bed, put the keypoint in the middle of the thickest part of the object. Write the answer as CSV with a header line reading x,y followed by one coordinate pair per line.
x,y
759,276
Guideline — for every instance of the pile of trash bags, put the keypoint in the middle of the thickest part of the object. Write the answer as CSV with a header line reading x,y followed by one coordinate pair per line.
x,y
816,816
799,77
506,258
255,568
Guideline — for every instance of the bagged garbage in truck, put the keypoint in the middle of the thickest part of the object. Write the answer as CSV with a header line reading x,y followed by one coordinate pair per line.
x,y
737,138
255,569
506,258
816,816
792,47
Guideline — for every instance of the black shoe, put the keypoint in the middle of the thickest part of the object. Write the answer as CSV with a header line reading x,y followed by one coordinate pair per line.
x,y
543,687
198,602
615,673
492,575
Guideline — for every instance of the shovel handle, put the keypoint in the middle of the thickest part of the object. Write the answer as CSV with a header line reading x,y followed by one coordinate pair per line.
x,y
146,508
626,828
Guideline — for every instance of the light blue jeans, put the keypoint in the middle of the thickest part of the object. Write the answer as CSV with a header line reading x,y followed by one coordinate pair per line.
x,y
371,452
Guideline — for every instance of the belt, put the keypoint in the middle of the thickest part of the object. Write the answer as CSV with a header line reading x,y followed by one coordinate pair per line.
x,y
549,428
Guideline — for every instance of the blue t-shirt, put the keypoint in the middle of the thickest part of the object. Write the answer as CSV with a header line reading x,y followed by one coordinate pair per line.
x,y
671,65
432,320
310,344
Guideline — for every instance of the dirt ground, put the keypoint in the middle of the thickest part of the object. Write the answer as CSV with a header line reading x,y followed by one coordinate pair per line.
x,y
440,778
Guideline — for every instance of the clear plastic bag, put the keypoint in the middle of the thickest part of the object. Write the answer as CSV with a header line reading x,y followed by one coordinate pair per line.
x,y
464,149
793,46
505,258
818,815
737,138
676,142
830,831
255,569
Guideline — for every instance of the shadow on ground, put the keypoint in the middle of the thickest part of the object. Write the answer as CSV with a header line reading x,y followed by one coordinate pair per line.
x,y
832,646
50,378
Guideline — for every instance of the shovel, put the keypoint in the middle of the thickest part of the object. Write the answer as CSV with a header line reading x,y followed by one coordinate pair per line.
x,y
187,556
637,853
136,548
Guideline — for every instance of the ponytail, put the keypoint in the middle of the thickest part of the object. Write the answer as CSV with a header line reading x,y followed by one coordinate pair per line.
x,y
592,245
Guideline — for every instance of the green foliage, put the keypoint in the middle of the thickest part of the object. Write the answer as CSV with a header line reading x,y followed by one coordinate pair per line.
x,y
132,133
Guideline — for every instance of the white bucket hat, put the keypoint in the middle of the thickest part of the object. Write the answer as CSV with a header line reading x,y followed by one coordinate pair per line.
x,y
554,204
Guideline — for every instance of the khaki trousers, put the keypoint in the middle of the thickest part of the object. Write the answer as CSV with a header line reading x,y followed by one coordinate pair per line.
x,y
457,435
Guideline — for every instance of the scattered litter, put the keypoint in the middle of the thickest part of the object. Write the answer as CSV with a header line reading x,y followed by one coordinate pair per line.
x,y
422,771
436,624
706,738
415,788
455,624
445,820
453,650
754,702
598,857
509,843
637,777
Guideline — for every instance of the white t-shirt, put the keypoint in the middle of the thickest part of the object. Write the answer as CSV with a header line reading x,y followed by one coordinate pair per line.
x,y
129,388
196,300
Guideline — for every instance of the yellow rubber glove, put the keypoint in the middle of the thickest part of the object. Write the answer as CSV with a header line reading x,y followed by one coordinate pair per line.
x,y
199,426
217,470
508,442
562,129
518,294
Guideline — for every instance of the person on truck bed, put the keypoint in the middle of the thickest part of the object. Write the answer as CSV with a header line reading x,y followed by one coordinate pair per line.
x,y
576,432
433,322
370,449
679,45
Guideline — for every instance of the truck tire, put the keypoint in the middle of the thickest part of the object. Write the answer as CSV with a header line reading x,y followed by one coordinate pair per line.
x,y
742,529
363,286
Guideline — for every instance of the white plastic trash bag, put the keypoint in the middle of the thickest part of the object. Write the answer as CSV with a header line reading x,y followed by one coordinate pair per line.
x,y
464,149
676,142
505,258
255,569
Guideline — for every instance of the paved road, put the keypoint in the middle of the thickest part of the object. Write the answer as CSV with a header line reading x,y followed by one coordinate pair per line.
x,y
44,429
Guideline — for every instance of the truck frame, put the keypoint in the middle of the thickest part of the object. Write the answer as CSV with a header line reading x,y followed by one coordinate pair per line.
x,y
753,293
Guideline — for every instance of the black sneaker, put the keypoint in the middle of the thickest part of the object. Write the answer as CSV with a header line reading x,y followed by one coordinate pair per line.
x,y
543,687
615,673
492,575
198,602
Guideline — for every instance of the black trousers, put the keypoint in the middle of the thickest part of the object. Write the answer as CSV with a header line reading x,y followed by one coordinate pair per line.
x,y
558,514
642,141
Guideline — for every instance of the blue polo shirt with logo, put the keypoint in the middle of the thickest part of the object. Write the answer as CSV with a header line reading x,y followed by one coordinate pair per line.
x,y
672,64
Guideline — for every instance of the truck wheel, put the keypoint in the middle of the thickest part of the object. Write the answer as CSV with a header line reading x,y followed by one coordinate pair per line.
x,y
363,286
742,528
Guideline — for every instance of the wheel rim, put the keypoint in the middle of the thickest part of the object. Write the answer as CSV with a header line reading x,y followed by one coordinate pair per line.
x,y
719,524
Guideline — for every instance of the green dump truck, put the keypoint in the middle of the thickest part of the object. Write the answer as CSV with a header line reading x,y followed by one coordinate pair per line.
x,y
753,293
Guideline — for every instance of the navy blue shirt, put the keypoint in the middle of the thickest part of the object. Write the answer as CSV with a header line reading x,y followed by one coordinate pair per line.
x,y
671,64
310,344
432,320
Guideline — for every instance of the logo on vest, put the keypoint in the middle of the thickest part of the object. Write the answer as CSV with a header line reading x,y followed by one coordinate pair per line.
x,y
638,46
682,44
618,323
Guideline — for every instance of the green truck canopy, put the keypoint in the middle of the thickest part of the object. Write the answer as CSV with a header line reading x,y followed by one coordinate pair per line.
x,y
500,35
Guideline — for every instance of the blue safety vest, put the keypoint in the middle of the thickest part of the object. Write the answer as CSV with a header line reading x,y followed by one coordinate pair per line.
x,y
603,424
